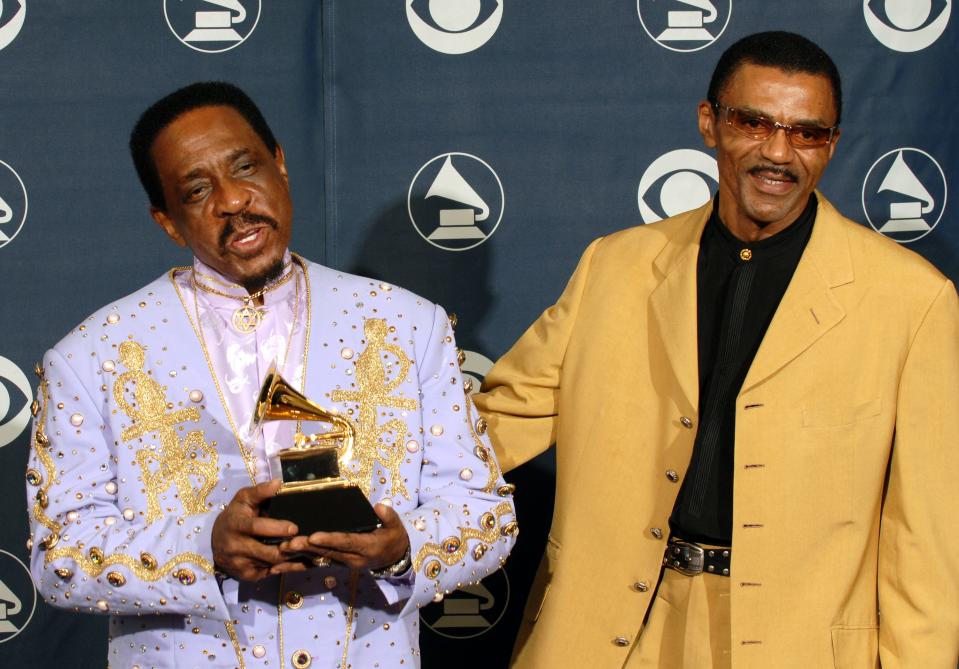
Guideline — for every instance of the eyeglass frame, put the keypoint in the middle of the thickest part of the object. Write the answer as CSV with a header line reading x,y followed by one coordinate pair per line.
x,y
776,125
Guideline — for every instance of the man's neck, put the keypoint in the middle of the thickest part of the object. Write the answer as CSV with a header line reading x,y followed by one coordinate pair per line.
x,y
747,230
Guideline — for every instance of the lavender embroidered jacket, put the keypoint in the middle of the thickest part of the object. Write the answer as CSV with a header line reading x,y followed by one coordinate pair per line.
x,y
133,457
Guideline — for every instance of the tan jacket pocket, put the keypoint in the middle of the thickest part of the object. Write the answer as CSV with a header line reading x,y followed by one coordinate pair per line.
x,y
855,647
542,581
838,415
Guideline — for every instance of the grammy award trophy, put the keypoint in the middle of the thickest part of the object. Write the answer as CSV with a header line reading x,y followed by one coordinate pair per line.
x,y
313,494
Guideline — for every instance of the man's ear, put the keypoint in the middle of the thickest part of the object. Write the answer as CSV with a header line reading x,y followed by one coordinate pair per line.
x,y
707,124
280,160
161,218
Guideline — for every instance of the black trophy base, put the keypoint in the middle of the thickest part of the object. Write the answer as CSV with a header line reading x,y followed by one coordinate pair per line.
x,y
330,509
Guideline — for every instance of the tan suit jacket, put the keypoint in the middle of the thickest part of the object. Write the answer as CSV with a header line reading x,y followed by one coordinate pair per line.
x,y
846,473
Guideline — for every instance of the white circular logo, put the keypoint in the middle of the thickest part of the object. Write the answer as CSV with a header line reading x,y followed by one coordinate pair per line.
x,y
904,194
454,26
12,15
676,182
212,26
15,407
13,204
456,201
694,27
18,596
907,25
471,611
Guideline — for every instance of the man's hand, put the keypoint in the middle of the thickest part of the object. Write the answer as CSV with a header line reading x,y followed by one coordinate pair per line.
x,y
237,549
358,550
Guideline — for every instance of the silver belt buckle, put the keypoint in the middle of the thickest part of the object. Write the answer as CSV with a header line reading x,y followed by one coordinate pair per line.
x,y
686,558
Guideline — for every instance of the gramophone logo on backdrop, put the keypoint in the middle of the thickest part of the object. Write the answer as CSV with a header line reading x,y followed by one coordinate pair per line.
x,y
456,201
18,597
471,611
684,25
904,194
676,182
13,204
454,26
12,15
907,25
212,26
16,395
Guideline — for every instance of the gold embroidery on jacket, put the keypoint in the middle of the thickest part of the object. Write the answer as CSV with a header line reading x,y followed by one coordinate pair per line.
x,y
481,451
376,379
94,562
176,461
453,549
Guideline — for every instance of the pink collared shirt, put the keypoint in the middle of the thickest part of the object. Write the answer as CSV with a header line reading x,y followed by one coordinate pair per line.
x,y
241,360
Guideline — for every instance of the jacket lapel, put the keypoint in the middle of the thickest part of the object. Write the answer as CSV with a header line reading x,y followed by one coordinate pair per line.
x,y
673,302
809,309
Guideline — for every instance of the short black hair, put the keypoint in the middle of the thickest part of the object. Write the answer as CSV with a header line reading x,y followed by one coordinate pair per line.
x,y
783,50
167,109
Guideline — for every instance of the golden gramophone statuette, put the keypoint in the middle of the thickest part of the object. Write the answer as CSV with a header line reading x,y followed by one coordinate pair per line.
x,y
313,495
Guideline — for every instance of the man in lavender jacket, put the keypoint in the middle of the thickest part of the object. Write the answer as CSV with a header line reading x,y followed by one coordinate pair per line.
x,y
144,484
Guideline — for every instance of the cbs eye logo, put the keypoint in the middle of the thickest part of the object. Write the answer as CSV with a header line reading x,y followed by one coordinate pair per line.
x,y
907,25
454,26
12,15
676,182
16,395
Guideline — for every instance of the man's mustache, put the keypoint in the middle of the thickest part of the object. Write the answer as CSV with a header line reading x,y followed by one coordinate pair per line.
x,y
772,169
241,222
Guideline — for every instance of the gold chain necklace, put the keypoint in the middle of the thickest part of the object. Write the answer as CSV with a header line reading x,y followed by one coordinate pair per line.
x,y
249,458
230,284
247,317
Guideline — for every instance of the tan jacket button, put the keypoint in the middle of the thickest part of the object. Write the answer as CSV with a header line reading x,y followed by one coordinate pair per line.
x,y
641,586
621,641
687,423
672,475
656,532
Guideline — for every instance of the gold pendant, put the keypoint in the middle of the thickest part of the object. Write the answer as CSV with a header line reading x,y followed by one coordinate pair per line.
x,y
247,318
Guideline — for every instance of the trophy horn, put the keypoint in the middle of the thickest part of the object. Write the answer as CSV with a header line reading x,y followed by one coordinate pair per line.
x,y
278,400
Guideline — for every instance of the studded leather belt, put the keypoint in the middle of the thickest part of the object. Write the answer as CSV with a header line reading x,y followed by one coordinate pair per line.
x,y
692,559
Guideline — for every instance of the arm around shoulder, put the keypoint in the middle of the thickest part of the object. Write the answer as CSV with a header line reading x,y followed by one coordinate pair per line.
x,y
520,396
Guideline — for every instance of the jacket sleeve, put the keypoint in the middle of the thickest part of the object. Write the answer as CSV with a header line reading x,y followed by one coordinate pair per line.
x,y
465,524
919,530
520,398
90,550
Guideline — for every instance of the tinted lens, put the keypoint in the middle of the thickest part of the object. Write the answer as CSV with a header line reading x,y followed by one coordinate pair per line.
x,y
750,125
809,135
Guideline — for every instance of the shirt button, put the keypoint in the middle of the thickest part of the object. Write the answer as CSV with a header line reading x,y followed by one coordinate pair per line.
x,y
301,659
656,532
687,422
641,586
621,641
258,651
672,475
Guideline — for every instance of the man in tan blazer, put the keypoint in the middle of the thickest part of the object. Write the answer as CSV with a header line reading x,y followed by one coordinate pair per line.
x,y
761,395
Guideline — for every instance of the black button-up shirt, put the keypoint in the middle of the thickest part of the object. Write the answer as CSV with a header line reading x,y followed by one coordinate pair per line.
x,y
739,286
